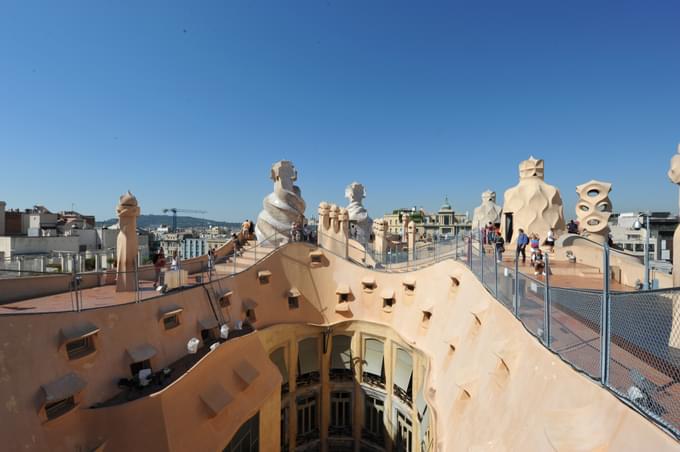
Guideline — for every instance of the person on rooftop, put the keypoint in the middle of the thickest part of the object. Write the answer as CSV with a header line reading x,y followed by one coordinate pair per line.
x,y
550,240
522,242
534,243
500,247
572,227
158,264
490,234
539,263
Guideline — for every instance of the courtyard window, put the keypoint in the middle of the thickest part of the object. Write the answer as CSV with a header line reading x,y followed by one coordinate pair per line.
x,y
341,358
308,362
374,366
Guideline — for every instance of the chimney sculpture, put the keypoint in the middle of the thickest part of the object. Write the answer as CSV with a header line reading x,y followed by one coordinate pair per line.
x,y
126,244
532,204
283,207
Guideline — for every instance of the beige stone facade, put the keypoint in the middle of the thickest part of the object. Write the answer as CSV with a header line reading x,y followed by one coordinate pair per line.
x,y
426,357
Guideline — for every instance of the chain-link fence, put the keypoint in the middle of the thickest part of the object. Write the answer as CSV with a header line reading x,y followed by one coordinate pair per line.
x,y
641,357
575,327
644,361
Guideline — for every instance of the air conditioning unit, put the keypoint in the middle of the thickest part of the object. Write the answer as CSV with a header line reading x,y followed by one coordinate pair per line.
x,y
192,345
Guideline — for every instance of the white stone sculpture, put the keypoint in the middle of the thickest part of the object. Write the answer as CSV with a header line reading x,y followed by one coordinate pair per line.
x,y
126,243
534,205
674,337
283,207
674,176
593,209
360,222
487,212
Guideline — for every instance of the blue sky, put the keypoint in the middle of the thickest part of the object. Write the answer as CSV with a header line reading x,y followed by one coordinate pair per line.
x,y
188,104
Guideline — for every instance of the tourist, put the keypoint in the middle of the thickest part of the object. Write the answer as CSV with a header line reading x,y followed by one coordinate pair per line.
x,y
211,258
534,243
572,227
175,261
538,262
245,229
158,264
550,240
490,234
522,242
500,248
251,229
295,232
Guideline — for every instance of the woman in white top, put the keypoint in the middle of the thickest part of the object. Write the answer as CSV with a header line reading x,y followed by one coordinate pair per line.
x,y
550,240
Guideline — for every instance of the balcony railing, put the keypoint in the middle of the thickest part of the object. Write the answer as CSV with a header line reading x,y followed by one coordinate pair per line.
x,y
374,380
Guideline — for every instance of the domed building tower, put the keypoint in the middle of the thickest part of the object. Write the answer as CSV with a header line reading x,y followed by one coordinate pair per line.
x,y
445,218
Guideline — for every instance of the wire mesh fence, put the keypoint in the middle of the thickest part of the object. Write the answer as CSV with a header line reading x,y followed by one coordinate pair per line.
x,y
506,286
645,351
642,355
531,307
575,328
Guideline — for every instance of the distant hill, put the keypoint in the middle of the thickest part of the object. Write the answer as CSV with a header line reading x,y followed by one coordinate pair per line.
x,y
153,221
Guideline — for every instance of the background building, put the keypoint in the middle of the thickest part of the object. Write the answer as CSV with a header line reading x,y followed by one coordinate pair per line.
x,y
428,225
662,226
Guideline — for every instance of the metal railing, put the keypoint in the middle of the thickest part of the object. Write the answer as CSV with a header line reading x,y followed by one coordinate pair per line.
x,y
627,341
77,291
60,262
624,340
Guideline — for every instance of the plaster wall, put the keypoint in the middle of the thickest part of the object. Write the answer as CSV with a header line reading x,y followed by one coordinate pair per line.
x,y
627,269
14,289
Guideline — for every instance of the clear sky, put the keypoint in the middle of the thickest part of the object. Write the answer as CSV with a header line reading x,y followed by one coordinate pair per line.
x,y
188,104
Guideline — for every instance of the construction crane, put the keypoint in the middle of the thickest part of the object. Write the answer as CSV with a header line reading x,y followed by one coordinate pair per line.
x,y
174,211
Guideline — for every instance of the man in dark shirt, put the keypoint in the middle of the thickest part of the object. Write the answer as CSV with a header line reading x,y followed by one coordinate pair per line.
x,y
572,227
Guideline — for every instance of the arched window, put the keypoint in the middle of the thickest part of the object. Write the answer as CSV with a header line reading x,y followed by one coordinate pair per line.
x,y
403,376
374,363
278,357
308,361
341,358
